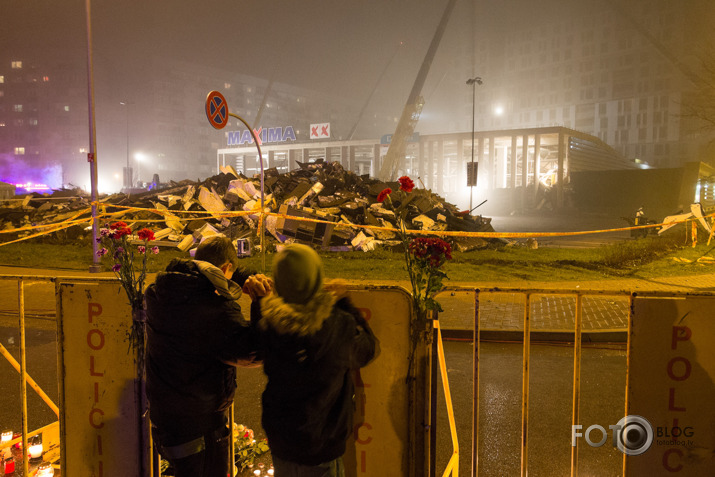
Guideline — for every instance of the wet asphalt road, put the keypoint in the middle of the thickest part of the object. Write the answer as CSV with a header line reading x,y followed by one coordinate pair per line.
x,y
550,408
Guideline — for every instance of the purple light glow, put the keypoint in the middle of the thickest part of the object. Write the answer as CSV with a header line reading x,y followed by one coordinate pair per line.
x,y
29,186
26,178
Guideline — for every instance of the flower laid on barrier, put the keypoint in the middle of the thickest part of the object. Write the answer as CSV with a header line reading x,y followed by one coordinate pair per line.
x,y
424,258
117,246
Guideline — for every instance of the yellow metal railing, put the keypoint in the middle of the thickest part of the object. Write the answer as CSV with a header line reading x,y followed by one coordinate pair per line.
x,y
452,467
526,362
21,367
453,464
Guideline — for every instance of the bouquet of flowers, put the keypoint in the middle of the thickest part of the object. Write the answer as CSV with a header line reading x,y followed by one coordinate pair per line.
x,y
116,245
424,258
246,447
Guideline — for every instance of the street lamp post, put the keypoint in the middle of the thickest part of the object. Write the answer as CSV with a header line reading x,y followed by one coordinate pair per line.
x,y
474,82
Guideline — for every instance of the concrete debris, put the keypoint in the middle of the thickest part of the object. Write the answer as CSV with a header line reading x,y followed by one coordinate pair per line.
x,y
424,222
342,200
363,242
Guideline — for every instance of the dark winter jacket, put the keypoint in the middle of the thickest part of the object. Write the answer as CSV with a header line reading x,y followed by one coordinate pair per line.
x,y
194,328
309,351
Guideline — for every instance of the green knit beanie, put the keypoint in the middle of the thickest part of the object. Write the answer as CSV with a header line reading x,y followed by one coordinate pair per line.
x,y
297,273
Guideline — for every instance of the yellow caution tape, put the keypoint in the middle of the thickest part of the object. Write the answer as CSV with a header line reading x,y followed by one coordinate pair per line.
x,y
55,229
41,226
105,216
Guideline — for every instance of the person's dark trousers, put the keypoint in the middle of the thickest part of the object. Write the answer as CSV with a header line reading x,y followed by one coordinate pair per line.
x,y
205,456
284,468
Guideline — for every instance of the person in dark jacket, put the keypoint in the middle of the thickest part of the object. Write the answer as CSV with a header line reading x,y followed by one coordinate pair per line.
x,y
196,335
311,339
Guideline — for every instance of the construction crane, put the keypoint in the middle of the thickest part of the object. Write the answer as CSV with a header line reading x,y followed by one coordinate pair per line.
x,y
411,112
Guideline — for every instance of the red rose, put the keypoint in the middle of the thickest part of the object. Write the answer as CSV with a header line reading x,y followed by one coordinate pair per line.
x,y
146,234
382,195
406,184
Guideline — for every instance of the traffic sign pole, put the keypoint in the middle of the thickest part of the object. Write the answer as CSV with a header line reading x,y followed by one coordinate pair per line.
x,y
217,114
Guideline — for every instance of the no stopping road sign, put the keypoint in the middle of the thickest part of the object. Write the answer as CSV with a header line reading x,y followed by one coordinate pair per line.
x,y
217,110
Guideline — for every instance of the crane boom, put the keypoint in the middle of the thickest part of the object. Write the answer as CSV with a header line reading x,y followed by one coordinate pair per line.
x,y
413,107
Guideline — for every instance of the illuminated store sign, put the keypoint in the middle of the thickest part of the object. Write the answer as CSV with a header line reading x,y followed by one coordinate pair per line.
x,y
265,135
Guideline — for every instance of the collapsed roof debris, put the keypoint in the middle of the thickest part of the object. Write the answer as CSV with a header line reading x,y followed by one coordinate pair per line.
x,y
230,204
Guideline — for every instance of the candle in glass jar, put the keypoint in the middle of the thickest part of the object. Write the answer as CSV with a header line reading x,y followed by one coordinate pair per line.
x,y
45,470
9,466
35,447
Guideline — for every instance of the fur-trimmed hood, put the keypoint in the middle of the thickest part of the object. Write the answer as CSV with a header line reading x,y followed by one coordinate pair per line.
x,y
293,318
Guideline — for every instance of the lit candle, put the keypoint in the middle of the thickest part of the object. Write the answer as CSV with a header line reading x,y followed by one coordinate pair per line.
x,y
6,436
9,466
35,447
270,471
257,472
45,470
36,451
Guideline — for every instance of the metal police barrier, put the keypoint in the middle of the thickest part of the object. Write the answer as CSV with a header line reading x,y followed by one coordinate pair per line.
x,y
100,429
668,423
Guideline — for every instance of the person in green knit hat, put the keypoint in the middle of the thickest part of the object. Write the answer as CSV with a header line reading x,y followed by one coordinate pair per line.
x,y
311,338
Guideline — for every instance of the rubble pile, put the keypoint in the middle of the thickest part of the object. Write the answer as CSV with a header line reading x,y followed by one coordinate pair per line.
x,y
341,200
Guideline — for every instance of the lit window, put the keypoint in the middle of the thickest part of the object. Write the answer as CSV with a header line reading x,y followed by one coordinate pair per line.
x,y
2,124
33,122
19,151
67,108
45,79
17,108
227,85
2,79
17,65
82,150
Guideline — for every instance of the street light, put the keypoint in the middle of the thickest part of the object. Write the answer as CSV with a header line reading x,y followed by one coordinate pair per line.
x,y
474,82
139,157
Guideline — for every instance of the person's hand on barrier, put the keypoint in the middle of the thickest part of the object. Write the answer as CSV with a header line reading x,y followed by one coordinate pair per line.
x,y
257,286
337,287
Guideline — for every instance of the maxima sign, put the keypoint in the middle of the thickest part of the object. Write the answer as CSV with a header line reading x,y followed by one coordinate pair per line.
x,y
264,135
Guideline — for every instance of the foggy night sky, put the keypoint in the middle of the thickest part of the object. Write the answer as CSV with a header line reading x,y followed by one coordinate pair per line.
x,y
337,47
333,46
